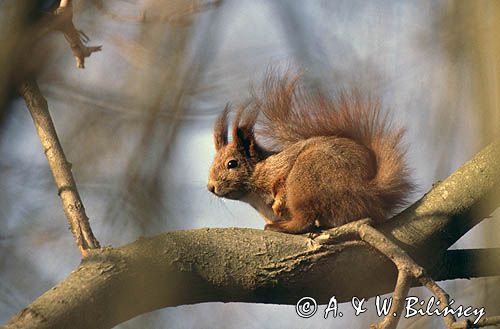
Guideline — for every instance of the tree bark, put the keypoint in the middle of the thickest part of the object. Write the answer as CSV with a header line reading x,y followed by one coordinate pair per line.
x,y
245,265
60,167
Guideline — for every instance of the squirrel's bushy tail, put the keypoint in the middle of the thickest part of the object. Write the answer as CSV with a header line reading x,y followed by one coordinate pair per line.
x,y
290,114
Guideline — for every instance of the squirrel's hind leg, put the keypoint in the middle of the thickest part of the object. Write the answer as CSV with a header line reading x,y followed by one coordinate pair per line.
x,y
297,224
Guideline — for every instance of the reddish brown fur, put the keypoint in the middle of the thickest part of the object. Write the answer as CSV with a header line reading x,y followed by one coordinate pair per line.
x,y
335,160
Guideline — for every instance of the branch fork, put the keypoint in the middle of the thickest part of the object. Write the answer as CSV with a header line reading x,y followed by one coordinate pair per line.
x,y
408,269
61,20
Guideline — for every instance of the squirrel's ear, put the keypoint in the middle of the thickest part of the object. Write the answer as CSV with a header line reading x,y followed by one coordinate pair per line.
x,y
243,131
220,129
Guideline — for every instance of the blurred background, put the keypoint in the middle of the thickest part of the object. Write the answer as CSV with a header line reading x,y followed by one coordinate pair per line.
x,y
136,123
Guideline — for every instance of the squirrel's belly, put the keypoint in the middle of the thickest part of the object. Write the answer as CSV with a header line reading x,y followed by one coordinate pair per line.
x,y
263,207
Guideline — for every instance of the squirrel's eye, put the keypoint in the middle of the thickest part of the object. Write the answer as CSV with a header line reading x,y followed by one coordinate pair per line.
x,y
232,164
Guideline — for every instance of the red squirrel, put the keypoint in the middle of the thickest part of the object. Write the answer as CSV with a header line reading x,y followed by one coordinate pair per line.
x,y
327,161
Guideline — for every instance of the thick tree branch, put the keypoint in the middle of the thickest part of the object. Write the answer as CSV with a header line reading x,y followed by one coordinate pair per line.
x,y
186,267
468,263
60,167
451,208
245,265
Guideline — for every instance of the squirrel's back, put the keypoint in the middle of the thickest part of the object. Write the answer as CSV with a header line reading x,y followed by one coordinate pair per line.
x,y
290,114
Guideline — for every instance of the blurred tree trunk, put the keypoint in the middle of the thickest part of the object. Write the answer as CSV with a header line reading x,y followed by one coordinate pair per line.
x,y
469,33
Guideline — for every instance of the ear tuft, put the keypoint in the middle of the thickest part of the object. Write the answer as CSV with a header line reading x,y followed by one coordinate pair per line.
x,y
220,128
243,131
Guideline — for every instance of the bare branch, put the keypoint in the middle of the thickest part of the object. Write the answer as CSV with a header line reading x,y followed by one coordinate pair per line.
x,y
75,38
486,322
61,19
407,268
207,265
64,3
61,169
468,263
451,208
403,285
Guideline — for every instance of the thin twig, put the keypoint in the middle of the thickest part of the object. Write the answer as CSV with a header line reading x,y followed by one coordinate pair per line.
x,y
64,3
403,285
61,169
407,268
403,262
63,21
489,321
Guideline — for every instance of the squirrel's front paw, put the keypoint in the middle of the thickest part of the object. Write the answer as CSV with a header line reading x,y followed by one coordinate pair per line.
x,y
278,208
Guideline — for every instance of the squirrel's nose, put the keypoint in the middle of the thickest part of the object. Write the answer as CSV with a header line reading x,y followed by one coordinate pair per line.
x,y
211,187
